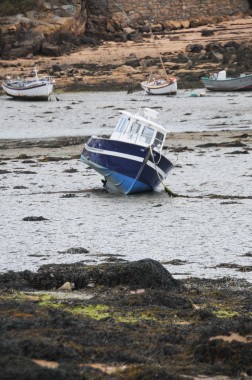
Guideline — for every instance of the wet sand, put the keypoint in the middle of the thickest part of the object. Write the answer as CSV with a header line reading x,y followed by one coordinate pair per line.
x,y
208,218
72,146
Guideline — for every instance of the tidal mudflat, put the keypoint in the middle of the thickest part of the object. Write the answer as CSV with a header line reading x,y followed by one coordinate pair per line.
x,y
56,210
205,233
104,286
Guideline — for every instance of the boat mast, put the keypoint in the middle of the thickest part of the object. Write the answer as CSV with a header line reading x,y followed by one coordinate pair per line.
x,y
36,73
160,58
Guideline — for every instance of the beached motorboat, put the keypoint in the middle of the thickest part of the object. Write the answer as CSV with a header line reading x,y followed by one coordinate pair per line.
x,y
131,160
31,88
161,86
220,82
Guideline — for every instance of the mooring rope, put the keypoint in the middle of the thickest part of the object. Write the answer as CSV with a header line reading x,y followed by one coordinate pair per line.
x,y
166,189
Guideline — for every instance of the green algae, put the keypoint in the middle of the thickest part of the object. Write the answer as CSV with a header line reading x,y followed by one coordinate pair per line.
x,y
225,313
99,312
96,312
133,318
46,297
46,300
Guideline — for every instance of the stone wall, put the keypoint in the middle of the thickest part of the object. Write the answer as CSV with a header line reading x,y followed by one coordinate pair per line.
x,y
162,10
136,13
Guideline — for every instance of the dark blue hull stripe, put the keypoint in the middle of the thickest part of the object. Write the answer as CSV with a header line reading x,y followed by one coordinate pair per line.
x,y
126,156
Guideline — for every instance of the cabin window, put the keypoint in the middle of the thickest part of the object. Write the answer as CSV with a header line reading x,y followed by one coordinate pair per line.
x,y
159,139
135,128
147,135
122,123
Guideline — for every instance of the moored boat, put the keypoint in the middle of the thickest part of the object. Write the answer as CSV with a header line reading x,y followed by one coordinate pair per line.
x,y
131,160
31,89
221,82
160,86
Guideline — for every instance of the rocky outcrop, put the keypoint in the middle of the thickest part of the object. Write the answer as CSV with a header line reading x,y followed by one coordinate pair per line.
x,y
145,273
50,29
58,27
123,331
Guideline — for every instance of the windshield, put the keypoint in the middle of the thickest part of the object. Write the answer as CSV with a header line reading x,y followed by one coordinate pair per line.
x,y
147,135
122,124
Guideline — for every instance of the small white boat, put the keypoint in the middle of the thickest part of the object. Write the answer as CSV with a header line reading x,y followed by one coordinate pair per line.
x,y
160,86
131,160
30,89
220,82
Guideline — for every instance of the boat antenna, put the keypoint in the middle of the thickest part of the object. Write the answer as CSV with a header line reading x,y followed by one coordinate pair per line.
x,y
145,93
160,58
36,73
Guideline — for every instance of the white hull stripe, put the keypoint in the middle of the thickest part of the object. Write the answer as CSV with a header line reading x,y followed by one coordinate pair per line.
x,y
127,156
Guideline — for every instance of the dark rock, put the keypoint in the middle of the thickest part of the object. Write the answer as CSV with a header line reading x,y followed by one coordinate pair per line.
x,y
194,48
75,251
13,280
137,274
213,46
91,41
231,45
34,218
207,32
71,170
176,262
143,273
24,172
28,162
228,144
238,152
50,49
71,195
156,297
23,156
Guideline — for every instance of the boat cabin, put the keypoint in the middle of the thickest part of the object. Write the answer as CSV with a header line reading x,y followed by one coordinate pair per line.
x,y
221,75
140,130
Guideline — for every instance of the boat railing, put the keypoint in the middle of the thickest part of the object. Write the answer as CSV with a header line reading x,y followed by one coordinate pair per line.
x,y
28,82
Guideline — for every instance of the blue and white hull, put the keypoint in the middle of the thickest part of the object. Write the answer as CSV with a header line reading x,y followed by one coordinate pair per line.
x,y
129,168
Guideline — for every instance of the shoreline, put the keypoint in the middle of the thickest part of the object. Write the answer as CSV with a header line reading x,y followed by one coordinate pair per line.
x,y
72,145
124,65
